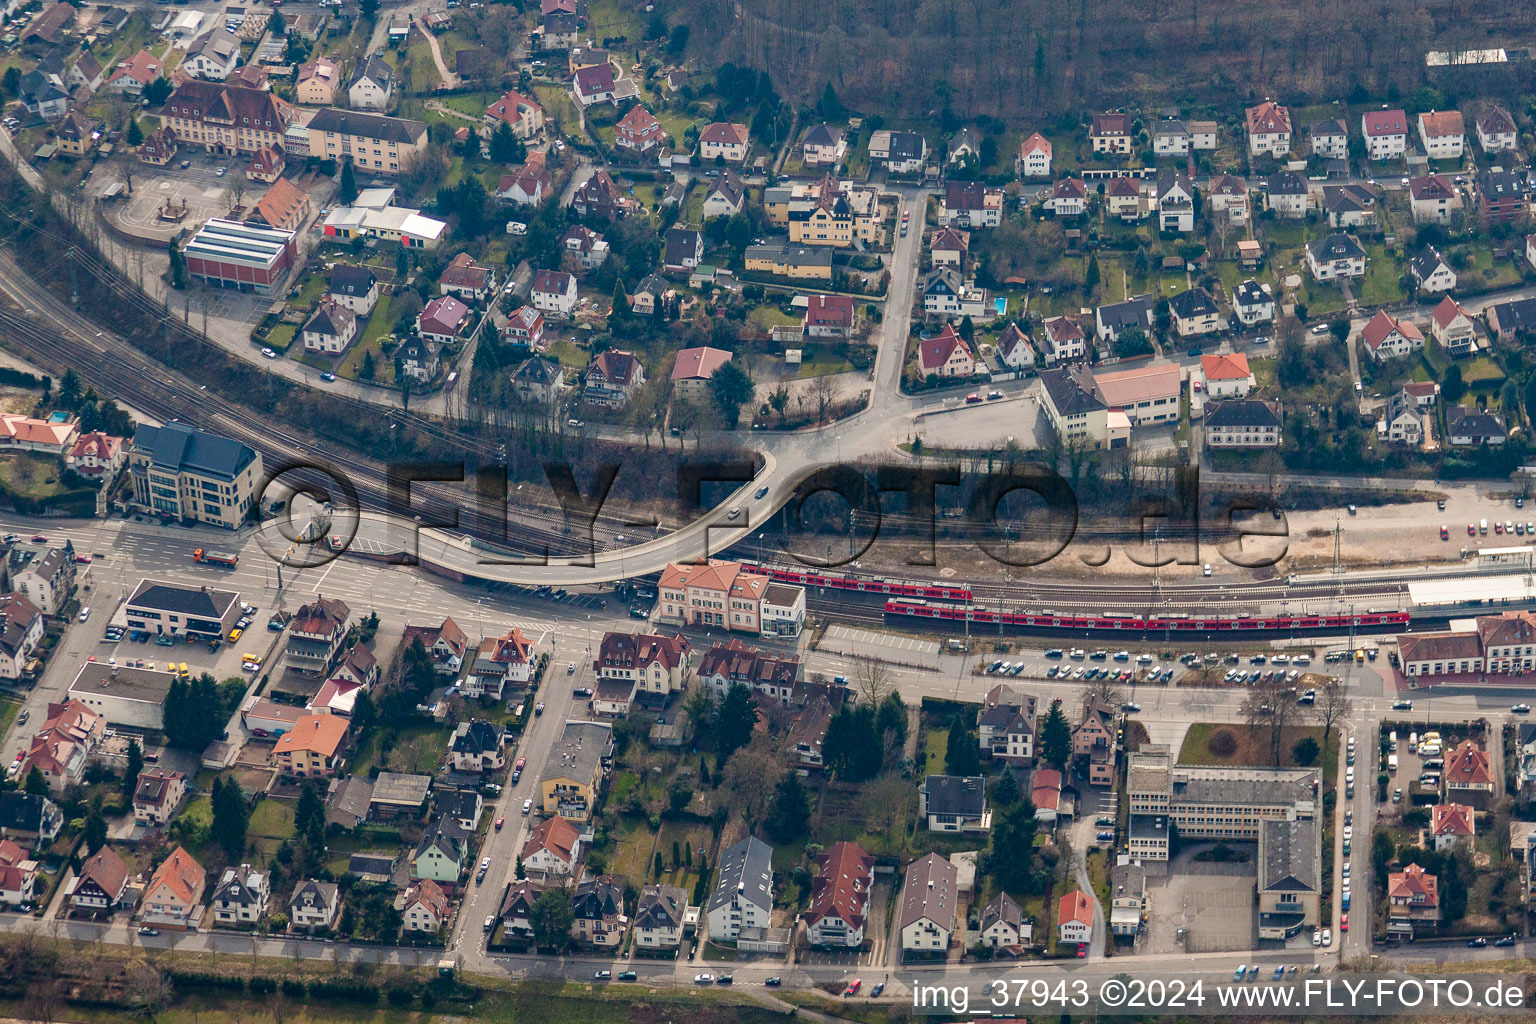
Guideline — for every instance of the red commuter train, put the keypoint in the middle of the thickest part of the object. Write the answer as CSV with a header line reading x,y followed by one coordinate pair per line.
x,y
981,615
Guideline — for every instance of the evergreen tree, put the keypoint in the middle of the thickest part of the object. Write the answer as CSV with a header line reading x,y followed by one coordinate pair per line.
x,y
1091,276
789,812
506,147
277,25
891,720
309,815
963,754
1012,858
95,832
729,387
656,866
178,269
348,192
1007,788
134,134
1056,738
733,727
37,783
830,106
231,818
135,766
11,82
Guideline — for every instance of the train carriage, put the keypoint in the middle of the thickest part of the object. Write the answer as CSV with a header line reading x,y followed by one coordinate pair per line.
x,y
1110,623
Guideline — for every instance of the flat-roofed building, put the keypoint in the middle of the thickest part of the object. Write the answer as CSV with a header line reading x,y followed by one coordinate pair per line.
x,y
242,256
132,697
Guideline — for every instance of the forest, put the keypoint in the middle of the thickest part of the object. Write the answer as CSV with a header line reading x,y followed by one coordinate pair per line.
x,y
919,59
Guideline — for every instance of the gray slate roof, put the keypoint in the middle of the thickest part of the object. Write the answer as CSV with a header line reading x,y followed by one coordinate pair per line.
x,y
746,869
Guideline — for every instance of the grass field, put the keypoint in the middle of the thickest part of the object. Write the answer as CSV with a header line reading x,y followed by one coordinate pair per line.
x,y
10,707
1252,745
418,749
380,323
30,476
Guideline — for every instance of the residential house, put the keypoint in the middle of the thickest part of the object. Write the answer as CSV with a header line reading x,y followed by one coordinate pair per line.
x,y
1002,925
1290,877
29,816
1111,133
729,664
1386,134
1045,794
1015,349
964,145
724,141
826,211
1402,421
902,153
612,378
945,355
132,75
317,82
795,262
18,876
440,855
1069,197
1433,271
85,73
539,381
313,747
526,327
78,133
424,908
1269,129
529,186
743,893
516,911
354,287
927,919
285,206
1253,303
1496,130
954,803
174,895
420,358
1349,206
524,116
638,133
1194,313
1502,196
593,85
1034,159
1442,133
157,796
21,621
553,293
1074,911
1453,327
828,316
1227,375
466,279
477,746
44,93
586,247
1285,195
553,848
95,455
158,147
1170,138
1113,319
574,770
101,885
373,86
315,906
823,146
316,634
1451,825
662,916
1387,337
43,576
970,204
683,251
1243,423
330,330
1467,426
653,296
1094,742
947,294
1227,193
1175,203
1433,198
1128,898
445,644
1413,903
840,893
724,196
1508,320
1203,135
1468,771
241,897
1330,138
1334,257
214,56
598,905
1123,198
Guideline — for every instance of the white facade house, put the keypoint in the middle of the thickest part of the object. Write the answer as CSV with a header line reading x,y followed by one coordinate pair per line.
x,y
928,902
1443,134
1253,303
1386,134
1496,131
1269,129
1034,160
1335,257
743,893
553,292
241,897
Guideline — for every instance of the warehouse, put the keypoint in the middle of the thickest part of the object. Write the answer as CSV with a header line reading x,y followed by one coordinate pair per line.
x,y
228,254
131,697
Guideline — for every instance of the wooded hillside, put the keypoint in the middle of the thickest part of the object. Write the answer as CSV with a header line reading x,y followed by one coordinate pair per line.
x,y
1010,57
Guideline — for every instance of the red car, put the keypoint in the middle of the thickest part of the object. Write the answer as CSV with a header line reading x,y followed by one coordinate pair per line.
x,y
520,763
82,559
1082,950
500,822
853,987
39,539
972,398
1445,534
1471,530
1343,922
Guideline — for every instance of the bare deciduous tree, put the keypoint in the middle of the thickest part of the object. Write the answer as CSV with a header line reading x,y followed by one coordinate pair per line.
x,y
1103,689
1332,705
884,802
751,775
147,991
873,681
41,1005
825,393
1271,708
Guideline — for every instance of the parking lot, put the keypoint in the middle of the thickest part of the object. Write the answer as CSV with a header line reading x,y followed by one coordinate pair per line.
x,y
146,651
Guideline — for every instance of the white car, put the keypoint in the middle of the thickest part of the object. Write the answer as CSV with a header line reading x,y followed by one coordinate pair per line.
x,y
1327,936
1349,832
703,979
527,806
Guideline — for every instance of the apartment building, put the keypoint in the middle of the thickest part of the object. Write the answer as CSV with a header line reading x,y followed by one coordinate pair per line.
x,y
650,666
743,893
375,143
928,901
1290,876
574,770
226,119
726,594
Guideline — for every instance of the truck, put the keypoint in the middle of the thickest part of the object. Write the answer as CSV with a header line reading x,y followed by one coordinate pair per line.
x,y
215,557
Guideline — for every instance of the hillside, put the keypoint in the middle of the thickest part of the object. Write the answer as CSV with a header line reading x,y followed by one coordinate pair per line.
x,y
903,58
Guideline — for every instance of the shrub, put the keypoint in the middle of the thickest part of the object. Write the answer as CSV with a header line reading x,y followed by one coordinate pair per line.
x,y
1222,743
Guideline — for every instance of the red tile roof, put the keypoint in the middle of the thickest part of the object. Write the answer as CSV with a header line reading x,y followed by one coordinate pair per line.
x,y
1267,118
1075,906
1226,367
841,886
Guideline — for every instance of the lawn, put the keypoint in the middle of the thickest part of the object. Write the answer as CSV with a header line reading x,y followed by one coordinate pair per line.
x,y
380,323
935,746
1251,748
30,476
10,707
271,823
417,749
424,76
557,104
281,337
768,316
